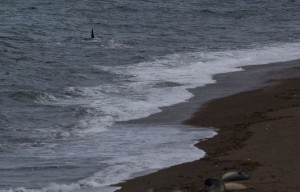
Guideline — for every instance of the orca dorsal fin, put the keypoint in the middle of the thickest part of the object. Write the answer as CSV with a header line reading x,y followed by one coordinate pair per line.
x,y
92,34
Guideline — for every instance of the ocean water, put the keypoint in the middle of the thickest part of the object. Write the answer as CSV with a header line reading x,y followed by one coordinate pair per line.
x,y
67,101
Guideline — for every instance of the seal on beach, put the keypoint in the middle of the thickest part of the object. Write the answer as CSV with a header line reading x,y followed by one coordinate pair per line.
x,y
213,185
92,34
235,176
234,187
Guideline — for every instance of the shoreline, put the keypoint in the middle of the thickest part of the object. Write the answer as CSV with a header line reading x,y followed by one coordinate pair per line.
x,y
189,176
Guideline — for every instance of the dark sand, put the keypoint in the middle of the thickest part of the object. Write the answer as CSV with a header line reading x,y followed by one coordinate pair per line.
x,y
259,132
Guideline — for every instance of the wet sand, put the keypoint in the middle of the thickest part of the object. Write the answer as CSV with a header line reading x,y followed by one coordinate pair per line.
x,y
258,132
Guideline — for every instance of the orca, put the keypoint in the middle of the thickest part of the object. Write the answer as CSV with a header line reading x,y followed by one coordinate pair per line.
x,y
92,34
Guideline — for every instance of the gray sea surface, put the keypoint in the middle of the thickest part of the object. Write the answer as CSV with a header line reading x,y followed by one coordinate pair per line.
x,y
66,98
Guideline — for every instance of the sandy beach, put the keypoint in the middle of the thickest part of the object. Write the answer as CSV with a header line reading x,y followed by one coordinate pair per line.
x,y
148,96
258,132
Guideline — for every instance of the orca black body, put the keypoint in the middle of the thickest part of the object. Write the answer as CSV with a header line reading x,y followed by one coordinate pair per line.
x,y
92,34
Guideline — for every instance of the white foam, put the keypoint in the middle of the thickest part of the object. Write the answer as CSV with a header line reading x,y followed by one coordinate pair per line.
x,y
196,69
145,88
153,148
45,97
163,82
54,187
113,44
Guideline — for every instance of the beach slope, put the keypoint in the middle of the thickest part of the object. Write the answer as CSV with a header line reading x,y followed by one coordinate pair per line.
x,y
258,132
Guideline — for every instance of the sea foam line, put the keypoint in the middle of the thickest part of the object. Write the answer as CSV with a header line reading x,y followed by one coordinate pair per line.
x,y
170,76
153,155
146,87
